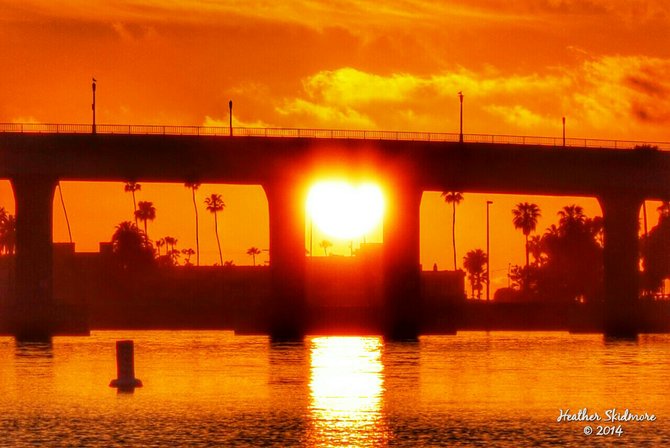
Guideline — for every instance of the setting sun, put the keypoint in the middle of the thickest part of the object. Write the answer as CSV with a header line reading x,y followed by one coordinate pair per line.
x,y
345,211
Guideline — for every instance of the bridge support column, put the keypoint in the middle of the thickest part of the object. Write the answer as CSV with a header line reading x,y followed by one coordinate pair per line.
x,y
621,265
402,287
287,314
32,314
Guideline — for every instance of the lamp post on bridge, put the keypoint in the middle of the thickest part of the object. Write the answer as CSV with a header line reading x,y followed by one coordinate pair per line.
x,y
93,105
488,255
564,132
230,116
460,135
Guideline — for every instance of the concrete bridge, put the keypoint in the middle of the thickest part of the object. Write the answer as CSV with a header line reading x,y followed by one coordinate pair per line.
x,y
35,157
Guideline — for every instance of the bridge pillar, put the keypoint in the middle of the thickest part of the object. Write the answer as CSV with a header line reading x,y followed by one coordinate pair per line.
x,y
621,265
401,263
32,313
287,313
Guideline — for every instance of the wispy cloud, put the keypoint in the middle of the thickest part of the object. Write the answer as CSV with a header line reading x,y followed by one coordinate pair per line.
x,y
614,91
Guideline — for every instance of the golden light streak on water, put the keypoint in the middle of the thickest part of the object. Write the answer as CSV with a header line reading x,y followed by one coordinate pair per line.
x,y
346,389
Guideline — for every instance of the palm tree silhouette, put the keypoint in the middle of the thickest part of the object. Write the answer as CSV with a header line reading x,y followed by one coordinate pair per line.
x,y
253,251
325,244
7,232
160,243
215,204
145,212
524,217
170,252
194,186
62,203
132,187
474,263
189,253
131,247
454,198
571,217
663,210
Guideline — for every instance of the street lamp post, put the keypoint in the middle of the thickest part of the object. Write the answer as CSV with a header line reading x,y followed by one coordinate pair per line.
x,y
488,254
460,135
230,116
564,132
93,105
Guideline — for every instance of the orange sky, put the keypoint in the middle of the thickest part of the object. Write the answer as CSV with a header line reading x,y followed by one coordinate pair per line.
x,y
395,65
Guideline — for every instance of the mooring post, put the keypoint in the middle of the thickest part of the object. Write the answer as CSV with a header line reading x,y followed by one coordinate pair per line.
x,y
125,367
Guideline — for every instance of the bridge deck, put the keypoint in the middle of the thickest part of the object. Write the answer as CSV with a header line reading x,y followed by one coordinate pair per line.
x,y
131,129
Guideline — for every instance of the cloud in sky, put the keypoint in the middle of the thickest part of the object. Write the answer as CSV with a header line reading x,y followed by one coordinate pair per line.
x,y
347,63
628,93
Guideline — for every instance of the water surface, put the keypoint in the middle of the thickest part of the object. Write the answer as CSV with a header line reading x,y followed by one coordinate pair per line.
x,y
217,389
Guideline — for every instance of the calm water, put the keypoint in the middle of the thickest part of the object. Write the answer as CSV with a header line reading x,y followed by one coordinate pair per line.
x,y
217,389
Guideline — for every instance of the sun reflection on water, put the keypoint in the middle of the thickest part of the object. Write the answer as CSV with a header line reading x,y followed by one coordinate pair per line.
x,y
346,387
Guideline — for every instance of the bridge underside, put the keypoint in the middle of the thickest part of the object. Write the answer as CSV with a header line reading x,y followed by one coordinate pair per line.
x,y
621,180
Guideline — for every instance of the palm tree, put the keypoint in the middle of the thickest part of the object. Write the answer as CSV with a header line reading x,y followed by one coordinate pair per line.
x,y
474,263
160,243
194,186
454,198
215,204
170,252
145,212
62,203
131,248
171,242
7,232
571,217
525,216
132,187
325,244
253,251
664,209
189,253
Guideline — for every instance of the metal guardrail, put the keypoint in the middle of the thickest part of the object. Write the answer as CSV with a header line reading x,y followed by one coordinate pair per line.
x,y
132,129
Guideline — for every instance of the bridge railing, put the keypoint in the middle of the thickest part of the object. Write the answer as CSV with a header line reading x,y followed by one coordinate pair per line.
x,y
133,129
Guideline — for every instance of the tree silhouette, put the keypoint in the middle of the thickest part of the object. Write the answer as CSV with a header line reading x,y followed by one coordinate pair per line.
x,y
524,217
145,212
568,260
131,249
656,252
132,187
325,244
189,253
571,218
454,198
171,242
7,232
170,251
253,251
194,186
62,203
474,263
160,243
215,204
